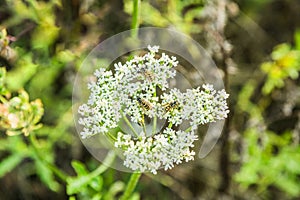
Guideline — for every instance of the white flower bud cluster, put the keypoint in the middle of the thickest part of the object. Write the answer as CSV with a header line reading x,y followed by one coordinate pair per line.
x,y
131,91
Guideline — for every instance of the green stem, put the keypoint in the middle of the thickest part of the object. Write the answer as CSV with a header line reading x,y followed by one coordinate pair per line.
x,y
170,125
144,129
60,174
135,18
130,125
106,163
154,125
188,129
155,117
131,185
111,136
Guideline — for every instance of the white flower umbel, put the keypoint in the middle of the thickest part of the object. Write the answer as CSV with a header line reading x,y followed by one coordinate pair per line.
x,y
160,150
102,111
131,93
205,106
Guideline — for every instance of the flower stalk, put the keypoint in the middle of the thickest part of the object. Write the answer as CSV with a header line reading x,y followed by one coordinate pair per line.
x,y
135,18
130,125
134,178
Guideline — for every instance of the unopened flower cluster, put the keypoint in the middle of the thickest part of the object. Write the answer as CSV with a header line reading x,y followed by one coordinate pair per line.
x,y
131,91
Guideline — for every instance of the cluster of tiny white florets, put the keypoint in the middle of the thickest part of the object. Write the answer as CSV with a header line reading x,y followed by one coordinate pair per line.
x,y
140,76
205,106
102,111
131,91
161,150
196,105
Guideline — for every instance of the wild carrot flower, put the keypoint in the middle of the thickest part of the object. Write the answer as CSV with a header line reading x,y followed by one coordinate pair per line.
x,y
138,90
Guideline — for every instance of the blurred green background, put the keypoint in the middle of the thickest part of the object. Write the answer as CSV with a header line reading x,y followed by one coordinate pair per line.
x,y
255,43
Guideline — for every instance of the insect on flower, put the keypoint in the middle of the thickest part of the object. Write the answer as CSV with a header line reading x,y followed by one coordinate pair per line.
x,y
147,74
141,121
171,106
146,105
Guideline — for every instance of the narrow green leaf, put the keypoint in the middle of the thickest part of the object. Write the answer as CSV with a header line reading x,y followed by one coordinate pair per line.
x,y
46,176
10,163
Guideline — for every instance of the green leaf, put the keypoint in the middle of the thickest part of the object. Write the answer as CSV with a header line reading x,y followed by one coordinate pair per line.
x,y
288,185
46,175
46,29
75,185
15,145
97,183
290,156
267,66
293,73
114,190
25,69
65,56
21,11
135,196
44,78
79,168
280,51
149,14
10,163
269,86
97,197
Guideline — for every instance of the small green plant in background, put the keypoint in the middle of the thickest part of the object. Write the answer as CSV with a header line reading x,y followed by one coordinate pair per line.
x,y
285,64
180,14
18,115
92,184
270,158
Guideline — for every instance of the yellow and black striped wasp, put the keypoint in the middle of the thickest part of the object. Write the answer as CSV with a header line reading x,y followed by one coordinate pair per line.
x,y
171,106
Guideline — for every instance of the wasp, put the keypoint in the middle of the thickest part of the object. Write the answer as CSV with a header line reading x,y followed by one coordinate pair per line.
x,y
141,121
146,105
147,74
171,106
